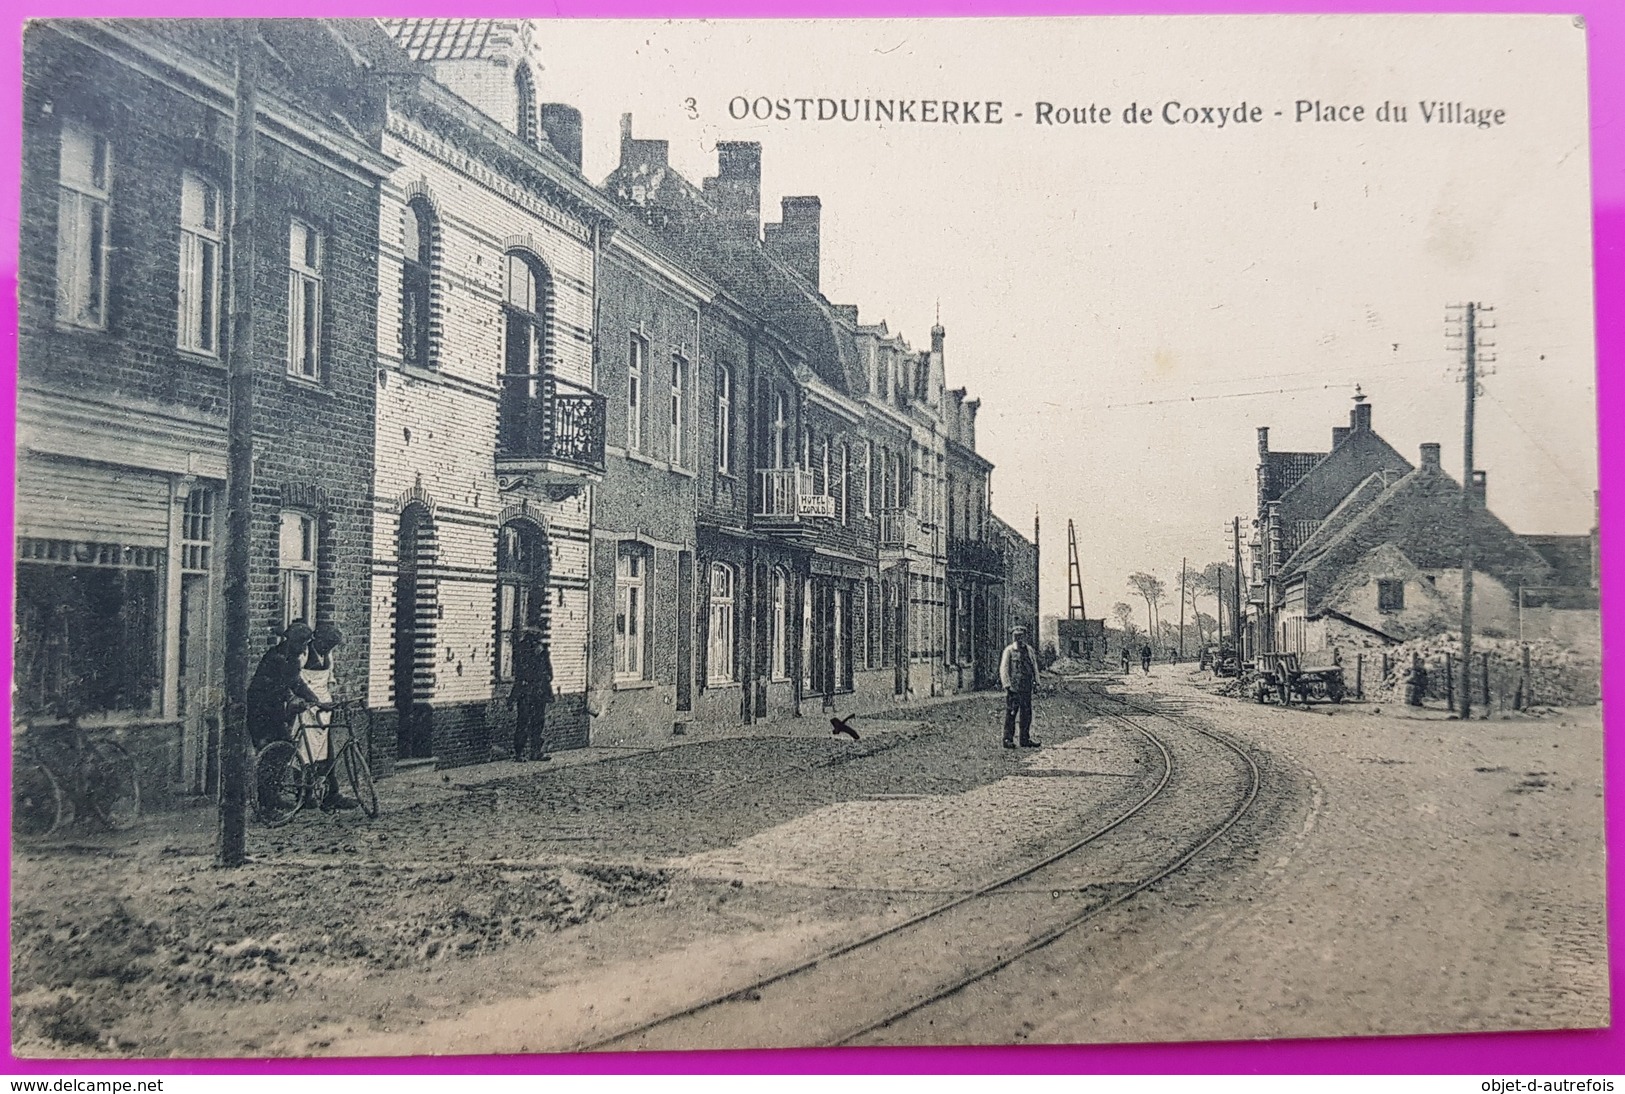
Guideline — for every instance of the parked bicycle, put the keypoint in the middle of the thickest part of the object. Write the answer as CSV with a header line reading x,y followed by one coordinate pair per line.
x,y
288,775
62,774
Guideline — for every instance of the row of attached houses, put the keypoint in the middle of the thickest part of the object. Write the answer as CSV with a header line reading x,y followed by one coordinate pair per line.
x,y
488,394
1358,547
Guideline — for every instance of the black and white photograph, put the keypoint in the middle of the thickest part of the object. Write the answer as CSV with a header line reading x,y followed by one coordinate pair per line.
x,y
557,536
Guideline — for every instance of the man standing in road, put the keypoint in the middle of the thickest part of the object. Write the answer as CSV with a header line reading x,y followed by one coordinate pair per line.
x,y
1145,658
1018,672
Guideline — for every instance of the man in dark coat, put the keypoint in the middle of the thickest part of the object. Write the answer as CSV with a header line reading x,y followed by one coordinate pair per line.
x,y
278,692
1018,672
532,692
1145,658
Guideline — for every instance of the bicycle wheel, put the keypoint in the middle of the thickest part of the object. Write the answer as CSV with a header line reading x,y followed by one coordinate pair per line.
x,y
360,776
280,783
111,785
36,801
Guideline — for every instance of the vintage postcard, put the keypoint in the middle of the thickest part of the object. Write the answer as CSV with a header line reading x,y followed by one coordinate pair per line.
x,y
561,536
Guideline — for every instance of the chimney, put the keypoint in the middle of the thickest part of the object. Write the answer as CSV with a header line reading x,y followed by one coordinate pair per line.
x,y
1339,434
561,125
1481,487
1263,442
794,240
1430,455
736,191
640,157
1360,416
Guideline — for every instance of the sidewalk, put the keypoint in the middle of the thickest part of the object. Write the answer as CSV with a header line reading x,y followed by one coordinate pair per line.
x,y
423,784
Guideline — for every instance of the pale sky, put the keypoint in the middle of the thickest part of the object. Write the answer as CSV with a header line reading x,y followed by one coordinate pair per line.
x,y
1129,301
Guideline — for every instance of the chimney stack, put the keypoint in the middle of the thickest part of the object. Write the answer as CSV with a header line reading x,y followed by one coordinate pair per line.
x,y
1339,434
794,240
1263,442
561,125
1430,455
1360,416
640,157
736,191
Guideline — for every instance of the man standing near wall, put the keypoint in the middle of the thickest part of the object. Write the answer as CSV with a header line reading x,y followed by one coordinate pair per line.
x,y
1018,672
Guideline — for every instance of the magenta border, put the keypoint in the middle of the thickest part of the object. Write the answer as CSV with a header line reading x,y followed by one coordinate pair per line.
x,y
1567,1053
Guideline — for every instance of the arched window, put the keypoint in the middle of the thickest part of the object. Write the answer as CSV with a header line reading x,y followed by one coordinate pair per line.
x,y
527,287
524,105
523,565
417,283
720,649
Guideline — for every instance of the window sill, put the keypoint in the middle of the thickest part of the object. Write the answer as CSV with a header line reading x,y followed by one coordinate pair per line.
x,y
419,372
200,357
634,685
658,465
722,685
316,387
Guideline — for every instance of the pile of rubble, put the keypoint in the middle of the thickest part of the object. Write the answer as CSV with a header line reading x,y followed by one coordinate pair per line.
x,y
1558,675
1070,666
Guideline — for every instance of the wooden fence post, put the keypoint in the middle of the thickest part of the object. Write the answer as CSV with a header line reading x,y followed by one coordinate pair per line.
x,y
1359,676
1450,682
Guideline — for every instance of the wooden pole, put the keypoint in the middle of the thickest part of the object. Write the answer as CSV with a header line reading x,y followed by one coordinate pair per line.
x,y
233,820
1467,505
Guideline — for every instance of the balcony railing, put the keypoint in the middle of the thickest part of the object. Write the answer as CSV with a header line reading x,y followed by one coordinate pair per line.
x,y
786,493
974,556
894,526
543,417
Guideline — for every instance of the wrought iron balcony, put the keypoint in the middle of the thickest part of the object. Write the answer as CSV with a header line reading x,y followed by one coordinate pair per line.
x,y
549,424
975,557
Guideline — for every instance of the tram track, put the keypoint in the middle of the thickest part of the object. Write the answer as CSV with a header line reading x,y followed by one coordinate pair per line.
x,y
990,926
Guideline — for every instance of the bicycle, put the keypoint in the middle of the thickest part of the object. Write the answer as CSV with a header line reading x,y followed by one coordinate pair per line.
x,y
61,775
287,777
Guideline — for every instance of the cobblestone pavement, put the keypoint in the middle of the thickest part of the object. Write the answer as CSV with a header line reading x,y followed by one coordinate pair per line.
x,y
1426,875
524,908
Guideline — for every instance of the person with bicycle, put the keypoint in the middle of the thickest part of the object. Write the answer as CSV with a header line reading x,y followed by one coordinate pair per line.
x,y
278,692
317,675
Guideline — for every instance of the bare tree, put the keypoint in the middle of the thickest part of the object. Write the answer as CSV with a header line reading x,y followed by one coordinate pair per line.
x,y
1193,583
1154,591
1125,619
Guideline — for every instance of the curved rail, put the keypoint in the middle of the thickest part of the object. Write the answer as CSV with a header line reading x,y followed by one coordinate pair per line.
x,y
1073,923
913,921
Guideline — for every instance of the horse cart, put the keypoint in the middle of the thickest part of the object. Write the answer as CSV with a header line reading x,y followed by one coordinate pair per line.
x,y
1305,676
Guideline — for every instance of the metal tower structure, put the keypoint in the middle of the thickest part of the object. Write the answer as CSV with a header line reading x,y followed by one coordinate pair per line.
x,y
1074,577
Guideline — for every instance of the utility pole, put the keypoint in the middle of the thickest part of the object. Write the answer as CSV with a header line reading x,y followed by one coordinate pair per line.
x,y
1235,606
1182,563
1469,502
233,826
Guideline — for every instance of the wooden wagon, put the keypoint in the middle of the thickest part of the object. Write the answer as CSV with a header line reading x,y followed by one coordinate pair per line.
x,y
1304,676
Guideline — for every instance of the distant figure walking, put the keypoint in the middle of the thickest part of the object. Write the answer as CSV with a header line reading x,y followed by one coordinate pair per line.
x,y
1145,658
1018,672
532,692
1125,660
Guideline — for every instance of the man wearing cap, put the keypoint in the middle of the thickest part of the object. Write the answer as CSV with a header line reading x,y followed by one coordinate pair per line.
x,y
1018,672
278,690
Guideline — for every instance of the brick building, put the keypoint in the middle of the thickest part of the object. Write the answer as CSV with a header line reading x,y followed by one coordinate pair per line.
x,y
126,163
489,430
1357,547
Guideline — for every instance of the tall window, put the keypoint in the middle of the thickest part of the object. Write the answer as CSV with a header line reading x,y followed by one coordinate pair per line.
x,y
636,355
807,636
868,477
1390,595
725,400
296,558
199,326
720,643
679,384
524,105
83,196
781,431
842,470
522,572
631,611
525,351
779,627
417,283
304,300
